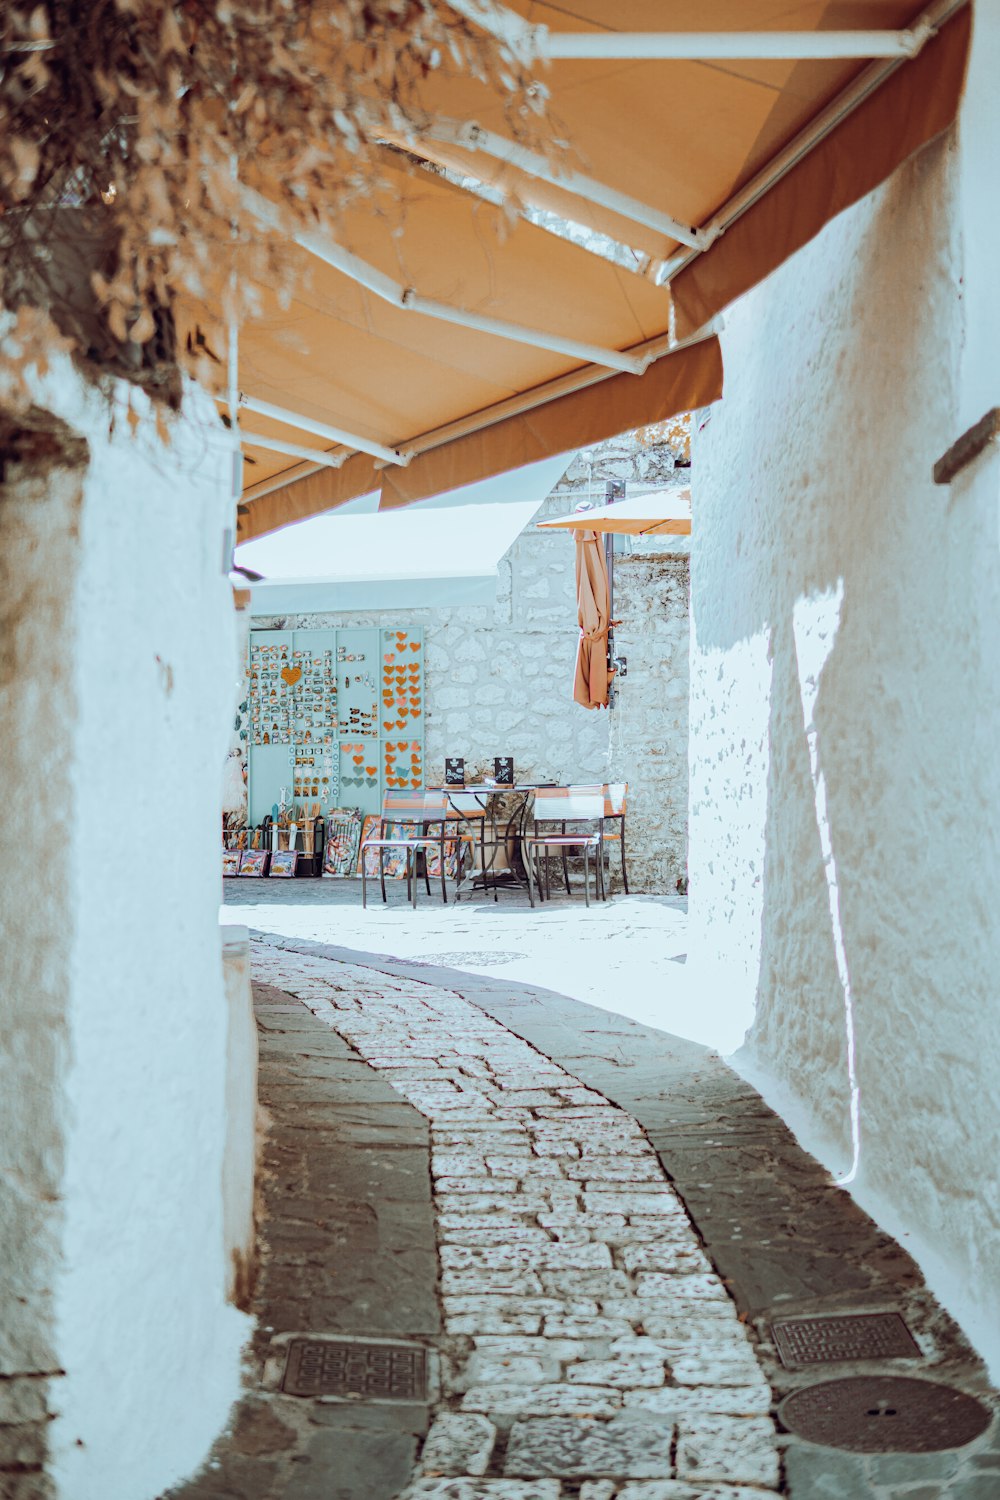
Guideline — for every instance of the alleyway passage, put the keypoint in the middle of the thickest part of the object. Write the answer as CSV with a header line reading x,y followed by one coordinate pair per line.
x,y
591,1340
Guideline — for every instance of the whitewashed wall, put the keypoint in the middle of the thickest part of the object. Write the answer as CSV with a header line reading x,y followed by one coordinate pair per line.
x,y
120,939
845,851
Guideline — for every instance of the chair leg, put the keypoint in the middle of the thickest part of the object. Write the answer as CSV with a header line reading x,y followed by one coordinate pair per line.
x,y
624,875
548,875
364,880
411,876
529,854
444,888
565,863
427,873
381,872
586,875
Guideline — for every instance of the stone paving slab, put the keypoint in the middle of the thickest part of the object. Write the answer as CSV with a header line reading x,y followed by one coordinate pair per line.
x,y
784,1239
554,1410
348,1246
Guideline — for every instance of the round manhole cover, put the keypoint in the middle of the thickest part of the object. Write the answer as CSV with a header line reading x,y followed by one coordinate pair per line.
x,y
884,1414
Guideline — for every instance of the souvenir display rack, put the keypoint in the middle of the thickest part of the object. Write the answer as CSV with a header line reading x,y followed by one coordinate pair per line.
x,y
335,717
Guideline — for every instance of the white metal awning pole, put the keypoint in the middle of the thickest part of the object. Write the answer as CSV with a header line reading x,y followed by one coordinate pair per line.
x,y
410,300
293,450
320,429
564,385
473,137
718,46
816,131
530,43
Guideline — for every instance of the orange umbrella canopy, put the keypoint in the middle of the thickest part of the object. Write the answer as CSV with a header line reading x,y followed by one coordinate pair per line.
x,y
446,337
590,679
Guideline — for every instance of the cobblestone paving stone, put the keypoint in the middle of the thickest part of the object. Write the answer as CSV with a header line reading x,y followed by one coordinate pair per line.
x,y
589,1349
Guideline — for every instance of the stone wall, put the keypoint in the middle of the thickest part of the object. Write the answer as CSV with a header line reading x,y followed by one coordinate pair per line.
x,y
845,706
499,678
649,721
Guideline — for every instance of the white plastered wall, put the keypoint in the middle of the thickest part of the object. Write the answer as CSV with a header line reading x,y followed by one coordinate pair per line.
x,y
845,852
143,1332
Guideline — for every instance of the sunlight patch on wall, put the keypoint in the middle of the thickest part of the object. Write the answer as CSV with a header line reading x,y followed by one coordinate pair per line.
x,y
815,623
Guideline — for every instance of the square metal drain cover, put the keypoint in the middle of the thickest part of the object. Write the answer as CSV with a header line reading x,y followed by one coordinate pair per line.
x,y
820,1341
356,1370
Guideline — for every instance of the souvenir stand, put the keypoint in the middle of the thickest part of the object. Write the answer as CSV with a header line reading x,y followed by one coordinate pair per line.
x,y
335,718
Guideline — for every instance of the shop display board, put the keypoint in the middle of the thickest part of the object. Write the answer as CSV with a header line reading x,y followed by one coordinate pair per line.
x,y
335,717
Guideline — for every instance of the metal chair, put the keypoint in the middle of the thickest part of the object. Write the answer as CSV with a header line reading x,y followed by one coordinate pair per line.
x,y
417,810
615,796
564,805
470,807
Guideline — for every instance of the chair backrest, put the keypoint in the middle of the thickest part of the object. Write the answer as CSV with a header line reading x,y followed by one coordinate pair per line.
x,y
465,804
403,807
614,799
435,807
568,804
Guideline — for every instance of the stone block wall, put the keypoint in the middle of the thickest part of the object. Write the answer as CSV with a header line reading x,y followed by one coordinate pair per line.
x,y
649,721
499,677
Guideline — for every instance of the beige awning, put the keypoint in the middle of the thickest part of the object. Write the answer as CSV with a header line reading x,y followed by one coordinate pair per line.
x,y
661,513
713,169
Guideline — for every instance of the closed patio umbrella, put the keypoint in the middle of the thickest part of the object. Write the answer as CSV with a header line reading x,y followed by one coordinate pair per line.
x,y
590,685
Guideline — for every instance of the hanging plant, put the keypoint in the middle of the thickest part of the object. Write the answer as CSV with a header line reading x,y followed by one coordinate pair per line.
x,y
130,129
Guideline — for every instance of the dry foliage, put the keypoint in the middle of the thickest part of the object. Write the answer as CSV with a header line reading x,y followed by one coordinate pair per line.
x,y
127,131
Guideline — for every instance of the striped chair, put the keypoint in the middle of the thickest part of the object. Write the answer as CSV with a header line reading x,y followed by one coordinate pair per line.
x,y
564,805
615,797
423,816
470,808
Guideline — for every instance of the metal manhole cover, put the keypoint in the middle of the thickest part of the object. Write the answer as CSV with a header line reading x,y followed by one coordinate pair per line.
x,y
814,1341
884,1414
356,1370
482,959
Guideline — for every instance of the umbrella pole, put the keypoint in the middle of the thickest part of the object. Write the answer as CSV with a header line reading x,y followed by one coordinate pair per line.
x,y
609,557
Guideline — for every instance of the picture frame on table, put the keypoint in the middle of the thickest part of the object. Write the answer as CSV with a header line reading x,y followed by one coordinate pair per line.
x,y
253,862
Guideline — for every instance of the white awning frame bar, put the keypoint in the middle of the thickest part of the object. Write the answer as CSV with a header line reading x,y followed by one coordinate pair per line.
x,y
726,46
846,102
293,450
410,300
531,43
471,136
564,385
349,440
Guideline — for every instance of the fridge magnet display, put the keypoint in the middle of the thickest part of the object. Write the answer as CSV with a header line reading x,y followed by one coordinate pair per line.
x,y
254,862
231,861
283,863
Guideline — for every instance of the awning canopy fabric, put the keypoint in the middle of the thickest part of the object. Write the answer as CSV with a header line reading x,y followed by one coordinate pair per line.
x,y
662,513
712,168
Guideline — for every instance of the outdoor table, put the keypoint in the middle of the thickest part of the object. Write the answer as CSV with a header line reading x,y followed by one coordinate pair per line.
x,y
516,873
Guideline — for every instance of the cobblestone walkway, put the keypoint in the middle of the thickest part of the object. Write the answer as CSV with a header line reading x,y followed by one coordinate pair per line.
x,y
590,1350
